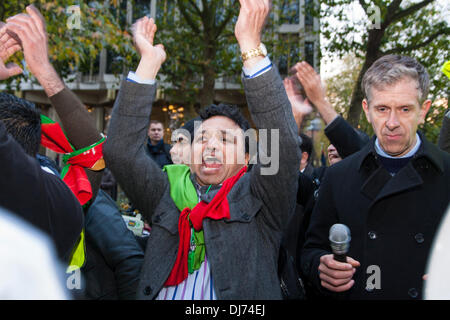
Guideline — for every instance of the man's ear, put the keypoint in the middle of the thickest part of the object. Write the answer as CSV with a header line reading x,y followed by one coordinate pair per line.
x,y
365,106
424,110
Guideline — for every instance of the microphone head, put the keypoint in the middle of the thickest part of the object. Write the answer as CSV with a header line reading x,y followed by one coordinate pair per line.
x,y
339,238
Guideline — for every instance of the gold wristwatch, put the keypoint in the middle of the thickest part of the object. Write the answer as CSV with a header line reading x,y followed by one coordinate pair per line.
x,y
260,51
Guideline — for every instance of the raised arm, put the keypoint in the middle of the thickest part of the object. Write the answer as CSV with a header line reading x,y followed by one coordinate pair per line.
x,y
274,179
340,133
77,123
141,178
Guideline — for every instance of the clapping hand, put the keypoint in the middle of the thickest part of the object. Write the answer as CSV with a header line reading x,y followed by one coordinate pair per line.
x,y
152,56
300,105
8,46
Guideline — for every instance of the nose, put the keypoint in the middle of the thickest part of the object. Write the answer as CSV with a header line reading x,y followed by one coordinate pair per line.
x,y
392,122
212,143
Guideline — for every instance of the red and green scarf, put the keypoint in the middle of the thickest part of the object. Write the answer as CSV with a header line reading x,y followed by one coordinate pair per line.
x,y
75,161
190,223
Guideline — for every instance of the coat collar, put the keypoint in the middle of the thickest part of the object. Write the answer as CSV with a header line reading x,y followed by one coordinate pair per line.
x,y
379,183
427,151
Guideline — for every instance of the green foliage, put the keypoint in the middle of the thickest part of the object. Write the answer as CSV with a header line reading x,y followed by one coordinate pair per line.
x,y
77,50
417,29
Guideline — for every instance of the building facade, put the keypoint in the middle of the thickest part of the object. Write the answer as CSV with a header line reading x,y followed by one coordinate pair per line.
x,y
294,26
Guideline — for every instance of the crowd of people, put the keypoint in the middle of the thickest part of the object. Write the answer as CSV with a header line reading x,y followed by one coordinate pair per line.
x,y
227,221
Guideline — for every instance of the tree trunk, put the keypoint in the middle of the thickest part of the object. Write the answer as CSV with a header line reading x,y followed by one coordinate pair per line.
x,y
209,76
372,54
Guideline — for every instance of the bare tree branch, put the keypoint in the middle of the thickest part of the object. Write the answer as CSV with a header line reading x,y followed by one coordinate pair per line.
x,y
418,45
187,17
408,11
227,19
194,5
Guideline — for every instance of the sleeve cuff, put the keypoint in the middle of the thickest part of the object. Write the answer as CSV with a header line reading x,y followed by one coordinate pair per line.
x,y
261,67
133,77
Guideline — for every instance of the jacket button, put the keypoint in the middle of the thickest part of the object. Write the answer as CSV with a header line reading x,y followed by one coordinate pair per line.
x,y
246,217
157,219
147,290
413,293
419,238
372,235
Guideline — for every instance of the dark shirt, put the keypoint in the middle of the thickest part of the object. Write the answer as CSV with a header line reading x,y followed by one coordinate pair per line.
x,y
160,153
393,165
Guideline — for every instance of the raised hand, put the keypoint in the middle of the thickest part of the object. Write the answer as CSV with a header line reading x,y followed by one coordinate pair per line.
x,y
31,32
30,29
250,23
300,105
8,46
315,91
152,56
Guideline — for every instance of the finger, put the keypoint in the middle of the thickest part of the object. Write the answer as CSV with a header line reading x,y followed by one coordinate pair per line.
x,y
152,33
137,26
334,282
37,17
301,77
336,274
13,69
6,43
11,50
26,23
32,24
329,262
10,42
353,262
10,34
338,289
21,31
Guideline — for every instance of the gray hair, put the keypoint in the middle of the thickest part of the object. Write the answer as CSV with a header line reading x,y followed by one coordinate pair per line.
x,y
392,68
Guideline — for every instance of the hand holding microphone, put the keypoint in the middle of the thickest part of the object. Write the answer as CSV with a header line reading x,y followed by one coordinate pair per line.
x,y
336,270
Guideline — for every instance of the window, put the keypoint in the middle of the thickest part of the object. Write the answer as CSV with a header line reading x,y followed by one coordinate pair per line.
x,y
309,53
289,12
290,53
309,19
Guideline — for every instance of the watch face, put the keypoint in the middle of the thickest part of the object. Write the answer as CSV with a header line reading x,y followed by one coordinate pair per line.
x,y
263,49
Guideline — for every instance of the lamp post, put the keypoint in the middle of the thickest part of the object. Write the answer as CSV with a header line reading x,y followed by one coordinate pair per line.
x,y
314,125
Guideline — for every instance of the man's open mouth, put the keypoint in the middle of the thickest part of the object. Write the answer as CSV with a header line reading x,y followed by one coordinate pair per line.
x,y
211,162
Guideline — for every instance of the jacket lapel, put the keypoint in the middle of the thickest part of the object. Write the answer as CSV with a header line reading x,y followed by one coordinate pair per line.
x,y
375,183
405,179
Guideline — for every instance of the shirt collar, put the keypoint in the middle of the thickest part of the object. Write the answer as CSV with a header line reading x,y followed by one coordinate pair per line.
x,y
425,150
412,152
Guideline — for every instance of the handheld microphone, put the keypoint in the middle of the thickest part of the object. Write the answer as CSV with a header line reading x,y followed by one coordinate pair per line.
x,y
339,241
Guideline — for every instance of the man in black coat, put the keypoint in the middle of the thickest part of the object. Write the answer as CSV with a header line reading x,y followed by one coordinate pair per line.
x,y
391,194
158,150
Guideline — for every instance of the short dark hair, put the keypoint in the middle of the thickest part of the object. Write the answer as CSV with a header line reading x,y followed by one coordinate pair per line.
x,y
306,145
22,122
156,122
230,111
